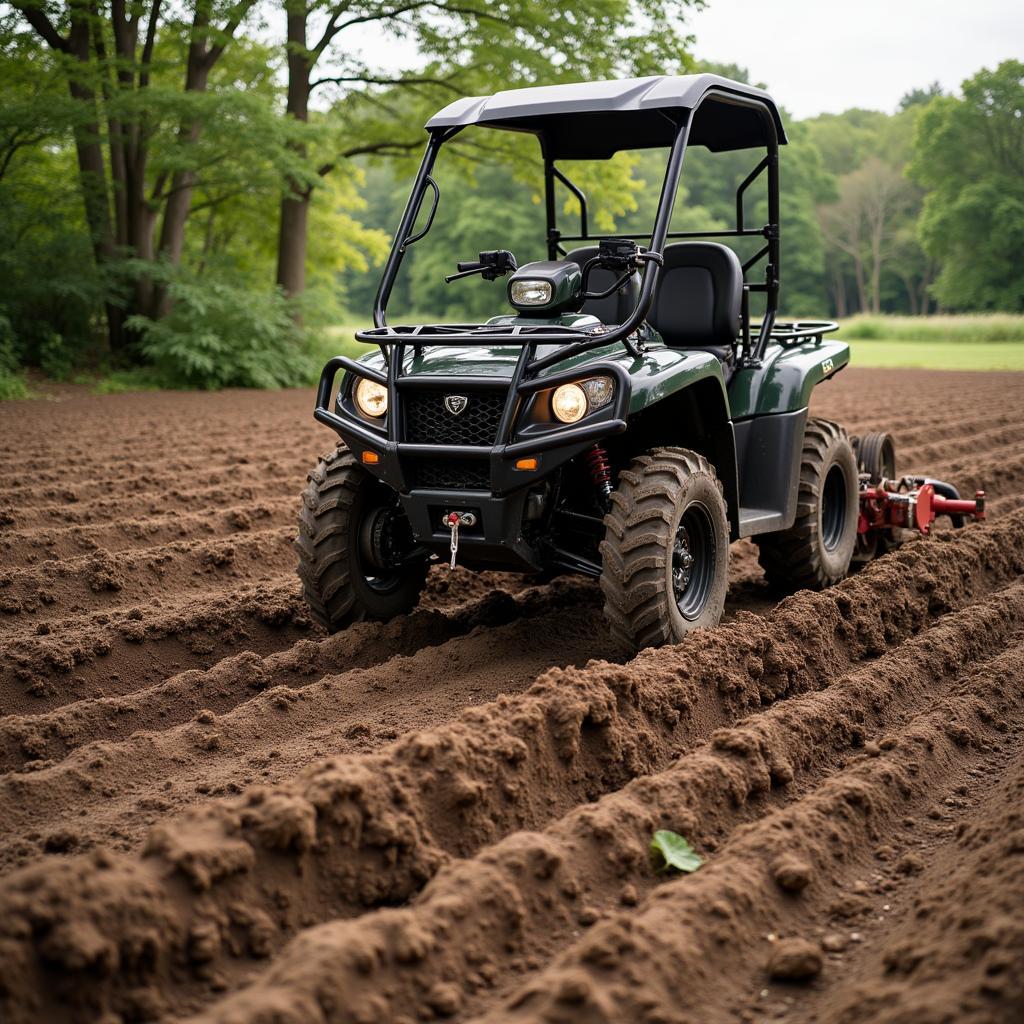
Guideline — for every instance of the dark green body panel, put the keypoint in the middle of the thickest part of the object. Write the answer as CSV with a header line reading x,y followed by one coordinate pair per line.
x,y
658,373
785,379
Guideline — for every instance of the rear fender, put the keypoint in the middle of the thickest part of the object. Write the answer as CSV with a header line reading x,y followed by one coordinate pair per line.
x,y
785,379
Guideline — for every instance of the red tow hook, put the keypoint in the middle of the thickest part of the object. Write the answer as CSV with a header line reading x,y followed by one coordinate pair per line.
x,y
453,520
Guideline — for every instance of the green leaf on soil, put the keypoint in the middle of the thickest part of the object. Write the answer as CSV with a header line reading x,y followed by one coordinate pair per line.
x,y
672,852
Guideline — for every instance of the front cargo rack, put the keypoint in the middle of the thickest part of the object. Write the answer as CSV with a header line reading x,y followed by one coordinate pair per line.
x,y
528,336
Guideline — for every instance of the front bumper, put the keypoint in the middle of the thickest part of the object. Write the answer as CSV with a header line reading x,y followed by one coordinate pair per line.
x,y
497,538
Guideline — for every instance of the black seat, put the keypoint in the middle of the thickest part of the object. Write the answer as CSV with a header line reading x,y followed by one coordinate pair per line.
x,y
616,308
699,298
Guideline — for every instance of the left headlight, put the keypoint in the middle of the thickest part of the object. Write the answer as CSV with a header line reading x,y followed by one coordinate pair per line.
x,y
530,293
371,398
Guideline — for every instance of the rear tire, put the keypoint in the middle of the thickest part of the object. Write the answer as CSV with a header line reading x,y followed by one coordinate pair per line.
x,y
340,518
876,456
665,554
815,552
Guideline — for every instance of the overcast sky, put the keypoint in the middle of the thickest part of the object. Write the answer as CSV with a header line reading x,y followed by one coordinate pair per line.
x,y
829,55
826,56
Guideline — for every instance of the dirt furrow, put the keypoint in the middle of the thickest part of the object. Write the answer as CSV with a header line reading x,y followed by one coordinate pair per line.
x,y
112,509
101,654
153,483
177,699
354,833
537,892
20,548
954,942
185,454
982,438
104,580
759,909
120,788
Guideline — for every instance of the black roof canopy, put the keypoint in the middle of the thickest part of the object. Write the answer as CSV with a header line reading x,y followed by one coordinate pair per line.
x,y
593,120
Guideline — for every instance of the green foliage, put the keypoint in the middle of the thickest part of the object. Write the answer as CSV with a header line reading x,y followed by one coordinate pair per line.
x,y
969,154
220,333
991,327
140,378
12,381
672,852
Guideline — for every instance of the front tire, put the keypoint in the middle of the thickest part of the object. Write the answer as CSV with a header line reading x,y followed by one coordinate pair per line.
x,y
815,552
665,554
352,535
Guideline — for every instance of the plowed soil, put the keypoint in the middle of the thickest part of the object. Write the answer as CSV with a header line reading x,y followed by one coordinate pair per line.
x,y
209,810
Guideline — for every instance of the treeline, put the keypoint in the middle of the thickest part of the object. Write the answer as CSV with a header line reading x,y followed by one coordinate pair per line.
x,y
196,187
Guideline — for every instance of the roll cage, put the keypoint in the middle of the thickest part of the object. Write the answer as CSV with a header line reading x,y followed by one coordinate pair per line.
x,y
735,116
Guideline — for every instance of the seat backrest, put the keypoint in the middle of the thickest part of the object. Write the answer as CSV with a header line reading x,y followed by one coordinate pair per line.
x,y
699,297
616,308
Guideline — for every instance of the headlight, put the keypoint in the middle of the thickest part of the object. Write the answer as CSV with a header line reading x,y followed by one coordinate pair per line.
x,y
599,391
530,293
569,403
371,397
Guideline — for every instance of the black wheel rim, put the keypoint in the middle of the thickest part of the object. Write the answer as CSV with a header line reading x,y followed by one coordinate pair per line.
x,y
833,508
376,547
693,561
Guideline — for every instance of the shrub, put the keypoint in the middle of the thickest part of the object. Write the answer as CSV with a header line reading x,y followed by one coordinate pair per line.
x,y
221,333
981,327
12,381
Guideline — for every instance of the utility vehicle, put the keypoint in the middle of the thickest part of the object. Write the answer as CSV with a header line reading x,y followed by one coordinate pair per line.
x,y
627,421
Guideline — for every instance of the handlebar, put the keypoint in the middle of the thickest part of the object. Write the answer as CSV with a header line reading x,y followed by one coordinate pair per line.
x,y
628,263
491,265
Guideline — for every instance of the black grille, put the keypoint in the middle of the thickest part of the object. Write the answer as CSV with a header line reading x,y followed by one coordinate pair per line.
x,y
449,474
428,421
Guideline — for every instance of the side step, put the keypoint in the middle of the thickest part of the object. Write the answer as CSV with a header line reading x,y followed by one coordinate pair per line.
x,y
760,520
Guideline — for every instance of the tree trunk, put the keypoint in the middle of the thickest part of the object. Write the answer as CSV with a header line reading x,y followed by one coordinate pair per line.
x,y
838,289
92,171
908,283
862,292
179,197
294,226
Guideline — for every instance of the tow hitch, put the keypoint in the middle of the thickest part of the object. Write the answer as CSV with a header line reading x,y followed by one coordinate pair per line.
x,y
453,520
913,504
909,503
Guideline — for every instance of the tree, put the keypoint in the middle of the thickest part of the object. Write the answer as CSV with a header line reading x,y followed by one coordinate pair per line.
x,y
920,97
119,111
969,155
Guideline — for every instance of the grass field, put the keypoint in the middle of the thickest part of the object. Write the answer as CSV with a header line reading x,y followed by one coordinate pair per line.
x,y
992,341
890,353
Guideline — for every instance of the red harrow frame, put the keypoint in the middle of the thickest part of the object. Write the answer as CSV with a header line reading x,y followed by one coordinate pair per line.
x,y
909,503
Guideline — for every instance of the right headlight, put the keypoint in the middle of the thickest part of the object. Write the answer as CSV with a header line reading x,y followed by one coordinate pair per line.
x,y
371,398
571,402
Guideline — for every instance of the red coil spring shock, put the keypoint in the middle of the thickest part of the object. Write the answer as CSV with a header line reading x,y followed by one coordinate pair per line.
x,y
600,469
